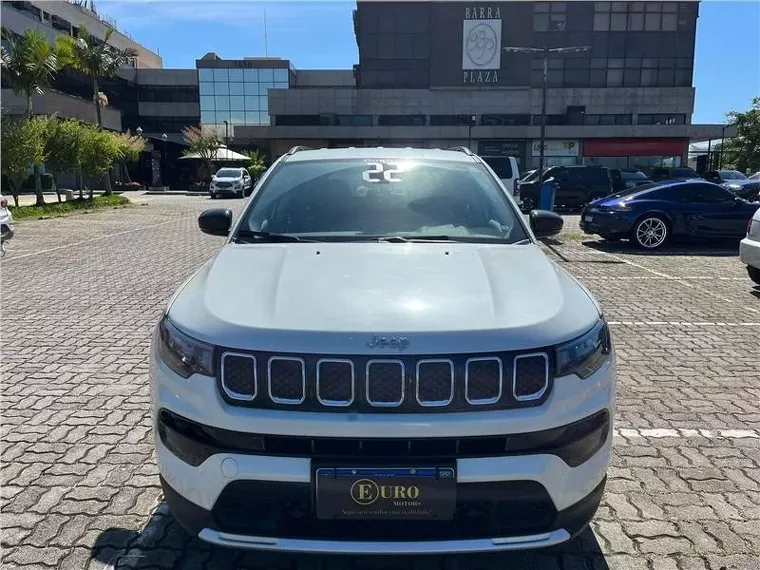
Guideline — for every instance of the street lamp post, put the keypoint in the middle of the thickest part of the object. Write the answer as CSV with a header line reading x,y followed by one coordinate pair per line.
x,y
545,52
470,123
163,177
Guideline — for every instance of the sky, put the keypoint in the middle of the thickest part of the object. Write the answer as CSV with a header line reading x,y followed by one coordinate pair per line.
x,y
320,35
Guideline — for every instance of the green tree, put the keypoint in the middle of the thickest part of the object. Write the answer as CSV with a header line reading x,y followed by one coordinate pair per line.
x,y
97,59
742,152
131,147
203,143
100,150
257,165
29,65
64,148
22,145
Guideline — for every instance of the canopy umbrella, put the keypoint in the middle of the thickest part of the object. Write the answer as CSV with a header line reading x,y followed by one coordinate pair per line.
x,y
221,154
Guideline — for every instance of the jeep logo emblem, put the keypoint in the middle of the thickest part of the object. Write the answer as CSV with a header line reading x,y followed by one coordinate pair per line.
x,y
391,342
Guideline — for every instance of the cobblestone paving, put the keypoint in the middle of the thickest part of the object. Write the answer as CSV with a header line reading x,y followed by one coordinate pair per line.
x,y
79,483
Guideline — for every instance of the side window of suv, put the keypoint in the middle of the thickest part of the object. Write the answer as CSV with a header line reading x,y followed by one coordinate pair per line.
x,y
703,194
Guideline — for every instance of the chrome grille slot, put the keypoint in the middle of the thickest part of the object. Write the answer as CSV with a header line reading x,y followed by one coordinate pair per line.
x,y
385,383
435,382
335,382
530,377
239,378
483,380
287,380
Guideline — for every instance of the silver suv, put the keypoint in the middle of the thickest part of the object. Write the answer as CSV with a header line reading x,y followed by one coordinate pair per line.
x,y
381,359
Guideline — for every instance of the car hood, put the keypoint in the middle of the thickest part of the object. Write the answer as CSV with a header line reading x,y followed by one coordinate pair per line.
x,y
227,179
334,297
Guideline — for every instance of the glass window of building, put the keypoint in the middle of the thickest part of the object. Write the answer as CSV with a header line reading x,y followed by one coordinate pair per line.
x,y
239,96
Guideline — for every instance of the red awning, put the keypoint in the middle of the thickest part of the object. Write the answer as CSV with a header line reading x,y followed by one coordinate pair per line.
x,y
634,147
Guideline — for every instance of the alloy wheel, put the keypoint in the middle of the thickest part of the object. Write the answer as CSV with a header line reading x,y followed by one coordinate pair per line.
x,y
651,233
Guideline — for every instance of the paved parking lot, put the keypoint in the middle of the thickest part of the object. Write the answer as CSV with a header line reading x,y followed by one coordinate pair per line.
x,y
80,487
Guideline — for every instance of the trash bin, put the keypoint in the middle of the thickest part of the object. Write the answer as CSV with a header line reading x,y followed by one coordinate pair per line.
x,y
547,195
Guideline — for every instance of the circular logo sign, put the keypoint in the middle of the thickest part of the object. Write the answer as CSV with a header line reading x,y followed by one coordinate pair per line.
x,y
481,44
364,492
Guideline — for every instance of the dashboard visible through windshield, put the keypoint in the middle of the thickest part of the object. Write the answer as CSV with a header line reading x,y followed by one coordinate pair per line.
x,y
366,199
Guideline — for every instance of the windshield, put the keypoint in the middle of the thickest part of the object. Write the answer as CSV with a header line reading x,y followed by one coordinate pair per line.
x,y
228,173
636,175
732,175
365,199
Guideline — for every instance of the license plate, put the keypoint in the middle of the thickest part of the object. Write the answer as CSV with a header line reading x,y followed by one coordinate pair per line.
x,y
588,218
362,493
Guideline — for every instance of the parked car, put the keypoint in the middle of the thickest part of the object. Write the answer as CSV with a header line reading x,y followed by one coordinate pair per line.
x,y
721,176
527,175
755,176
576,186
230,182
748,189
506,169
653,214
749,248
381,339
663,173
622,179
6,224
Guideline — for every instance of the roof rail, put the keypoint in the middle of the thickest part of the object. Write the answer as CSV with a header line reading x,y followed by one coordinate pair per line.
x,y
463,149
296,149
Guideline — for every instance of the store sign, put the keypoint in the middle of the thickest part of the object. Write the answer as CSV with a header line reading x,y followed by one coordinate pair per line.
x,y
501,148
481,45
556,148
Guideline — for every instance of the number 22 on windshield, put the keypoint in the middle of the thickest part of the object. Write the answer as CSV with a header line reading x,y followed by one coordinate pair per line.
x,y
380,172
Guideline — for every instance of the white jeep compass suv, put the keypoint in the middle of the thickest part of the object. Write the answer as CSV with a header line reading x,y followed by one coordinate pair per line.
x,y
381,359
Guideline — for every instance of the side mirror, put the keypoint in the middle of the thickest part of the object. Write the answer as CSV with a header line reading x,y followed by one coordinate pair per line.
x,y
216,221
545,223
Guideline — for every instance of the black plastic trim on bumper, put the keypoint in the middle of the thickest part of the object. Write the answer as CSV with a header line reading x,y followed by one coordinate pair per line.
x,y
574,443
193,518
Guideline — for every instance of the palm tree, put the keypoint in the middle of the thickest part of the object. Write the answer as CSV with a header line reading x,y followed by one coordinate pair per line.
x,y
30,63
97,59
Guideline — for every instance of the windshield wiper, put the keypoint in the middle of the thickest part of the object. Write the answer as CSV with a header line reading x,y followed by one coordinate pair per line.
x,y
247,235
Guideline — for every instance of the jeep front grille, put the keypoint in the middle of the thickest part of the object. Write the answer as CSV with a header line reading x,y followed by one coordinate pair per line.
x,y
408,384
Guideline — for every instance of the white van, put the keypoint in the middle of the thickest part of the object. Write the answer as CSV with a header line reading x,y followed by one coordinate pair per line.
x,y
505,167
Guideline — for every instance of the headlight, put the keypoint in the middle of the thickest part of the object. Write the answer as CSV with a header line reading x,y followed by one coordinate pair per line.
x,y
586,354
753,230
621,207
185,355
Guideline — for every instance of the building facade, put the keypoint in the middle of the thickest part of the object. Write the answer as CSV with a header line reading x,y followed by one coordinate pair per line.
x,y
430,74
438,74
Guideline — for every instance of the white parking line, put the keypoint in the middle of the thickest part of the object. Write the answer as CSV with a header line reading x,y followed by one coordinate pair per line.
x,y
674,278
631,433
96,238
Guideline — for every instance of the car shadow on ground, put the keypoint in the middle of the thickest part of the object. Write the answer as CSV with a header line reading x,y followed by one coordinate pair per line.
x,y
164,545
695,249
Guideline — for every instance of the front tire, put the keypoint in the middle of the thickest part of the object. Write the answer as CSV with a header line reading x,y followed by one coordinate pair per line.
x,y
754,274
651,232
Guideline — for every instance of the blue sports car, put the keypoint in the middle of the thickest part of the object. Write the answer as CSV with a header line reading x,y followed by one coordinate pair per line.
x,y
653,214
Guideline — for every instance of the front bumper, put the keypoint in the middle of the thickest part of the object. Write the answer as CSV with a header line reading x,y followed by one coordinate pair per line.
x,y
264,500
605,224
225,191
749,252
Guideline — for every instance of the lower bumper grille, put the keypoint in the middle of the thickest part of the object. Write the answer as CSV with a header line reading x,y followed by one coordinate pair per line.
x,y
267,508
